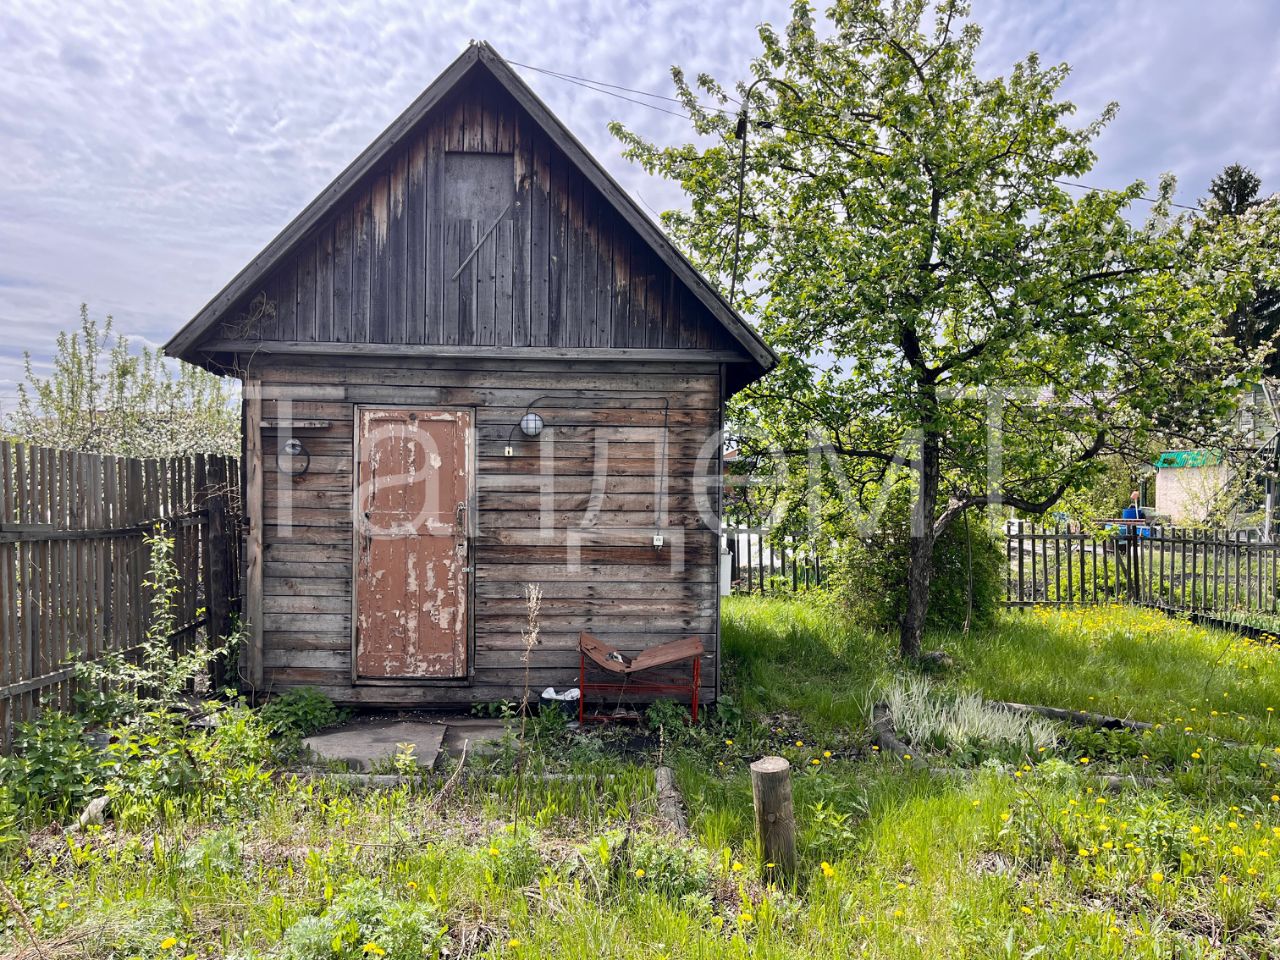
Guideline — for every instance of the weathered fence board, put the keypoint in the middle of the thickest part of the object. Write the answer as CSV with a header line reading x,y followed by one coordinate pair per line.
x,y
74,561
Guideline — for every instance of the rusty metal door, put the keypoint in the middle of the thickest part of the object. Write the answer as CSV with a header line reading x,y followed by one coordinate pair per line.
x,y
412,504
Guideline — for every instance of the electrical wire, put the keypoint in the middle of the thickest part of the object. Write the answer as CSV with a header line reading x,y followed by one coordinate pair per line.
x,y
610,89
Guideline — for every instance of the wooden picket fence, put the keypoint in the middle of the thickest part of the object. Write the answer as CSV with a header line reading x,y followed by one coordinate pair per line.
x,y
73,561
1175,568
764,564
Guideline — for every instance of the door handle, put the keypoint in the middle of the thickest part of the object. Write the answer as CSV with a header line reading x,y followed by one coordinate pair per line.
x,y
460,519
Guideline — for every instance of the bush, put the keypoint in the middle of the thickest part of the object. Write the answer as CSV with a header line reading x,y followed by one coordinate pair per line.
x,y
364,922
868,575
300,712
54,770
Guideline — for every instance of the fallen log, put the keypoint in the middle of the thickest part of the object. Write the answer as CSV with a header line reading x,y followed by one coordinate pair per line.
x,y
670,805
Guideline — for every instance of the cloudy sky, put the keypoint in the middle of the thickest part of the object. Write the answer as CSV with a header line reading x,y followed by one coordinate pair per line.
x,y
148,150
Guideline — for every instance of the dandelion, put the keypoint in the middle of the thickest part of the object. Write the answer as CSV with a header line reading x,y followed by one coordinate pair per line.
x,y
898,914
63,905
168,943
828,870
1195,755
1084,760
799,743
640,873
826,754
977,802
1027,910
412,885
906,756
816,762
494,851
745,918
513,943
1005,816
737,867
728,743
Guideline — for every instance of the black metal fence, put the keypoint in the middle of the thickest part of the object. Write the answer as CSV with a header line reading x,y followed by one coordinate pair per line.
x,y
766,564
1176,568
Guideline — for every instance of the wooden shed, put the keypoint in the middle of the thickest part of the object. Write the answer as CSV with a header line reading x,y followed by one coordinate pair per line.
x,y
470,364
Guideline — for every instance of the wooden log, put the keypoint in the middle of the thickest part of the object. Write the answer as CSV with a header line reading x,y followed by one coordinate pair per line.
x,y
775,815
670,806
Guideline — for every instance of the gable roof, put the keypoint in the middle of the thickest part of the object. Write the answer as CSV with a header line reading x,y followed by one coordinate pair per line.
x,y
478,56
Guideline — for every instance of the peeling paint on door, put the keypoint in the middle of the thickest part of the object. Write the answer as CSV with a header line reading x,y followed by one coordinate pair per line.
x,y
412,505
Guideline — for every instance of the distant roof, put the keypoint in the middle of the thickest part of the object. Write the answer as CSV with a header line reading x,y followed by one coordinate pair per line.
x,y
477,56
1188,458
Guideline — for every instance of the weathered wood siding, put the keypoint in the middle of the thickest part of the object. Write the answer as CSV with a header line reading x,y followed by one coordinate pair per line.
x,y
560,268
623,590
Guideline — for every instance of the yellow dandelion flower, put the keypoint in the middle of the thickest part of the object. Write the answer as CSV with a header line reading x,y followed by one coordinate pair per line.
x,y
640,873
1027,910
168,943
828,870
816,762
799,743
1157,878
737,867
513,943
1084,760
826,754
745,918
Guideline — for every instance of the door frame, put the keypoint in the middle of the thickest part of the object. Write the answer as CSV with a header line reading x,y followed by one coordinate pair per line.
x,y
472,525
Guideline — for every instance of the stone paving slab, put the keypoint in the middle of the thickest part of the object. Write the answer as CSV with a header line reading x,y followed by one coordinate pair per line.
x,y
361,745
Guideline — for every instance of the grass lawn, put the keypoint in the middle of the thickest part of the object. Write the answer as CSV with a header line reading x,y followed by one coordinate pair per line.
x,y
1006,849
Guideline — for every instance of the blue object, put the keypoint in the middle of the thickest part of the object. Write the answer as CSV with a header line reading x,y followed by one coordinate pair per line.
x,y
1133,512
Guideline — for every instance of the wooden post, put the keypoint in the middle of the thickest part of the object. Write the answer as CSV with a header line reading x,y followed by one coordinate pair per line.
x,y
252,493
218,558
775,816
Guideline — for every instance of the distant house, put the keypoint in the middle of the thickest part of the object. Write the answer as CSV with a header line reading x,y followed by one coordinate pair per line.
x,y
1234,486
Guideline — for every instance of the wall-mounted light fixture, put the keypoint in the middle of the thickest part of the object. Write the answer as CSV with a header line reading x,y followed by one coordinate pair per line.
x,y
292,459
530,425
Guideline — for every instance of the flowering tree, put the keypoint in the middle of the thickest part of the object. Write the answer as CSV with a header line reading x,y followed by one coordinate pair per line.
x,y
103,396
943,303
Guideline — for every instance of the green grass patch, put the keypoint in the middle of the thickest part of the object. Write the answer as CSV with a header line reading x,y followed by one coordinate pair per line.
x,y
1013,847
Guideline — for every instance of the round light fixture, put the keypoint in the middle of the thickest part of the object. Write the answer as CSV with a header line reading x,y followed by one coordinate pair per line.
x,y
293,458
531,424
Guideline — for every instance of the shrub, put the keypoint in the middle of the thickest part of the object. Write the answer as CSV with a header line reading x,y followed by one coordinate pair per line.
x,y
136,688
363,922
867,575
300,712
54,770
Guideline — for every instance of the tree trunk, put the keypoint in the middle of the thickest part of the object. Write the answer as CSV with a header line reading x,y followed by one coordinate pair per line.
x,y
920,568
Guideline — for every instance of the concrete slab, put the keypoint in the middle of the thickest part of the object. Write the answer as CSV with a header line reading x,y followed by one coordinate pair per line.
x,y
361,745
482,734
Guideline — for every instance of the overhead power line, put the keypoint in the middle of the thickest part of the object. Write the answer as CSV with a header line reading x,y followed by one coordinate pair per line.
x,y
613,90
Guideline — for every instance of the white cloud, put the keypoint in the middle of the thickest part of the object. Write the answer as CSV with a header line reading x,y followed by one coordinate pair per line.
x,y
150,150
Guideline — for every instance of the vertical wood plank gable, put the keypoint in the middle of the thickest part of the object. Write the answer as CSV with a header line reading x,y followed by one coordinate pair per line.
x,y
326,262
379,265
565,271
416,244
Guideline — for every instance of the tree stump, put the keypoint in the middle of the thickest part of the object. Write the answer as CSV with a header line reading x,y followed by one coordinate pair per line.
x,y
775,815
